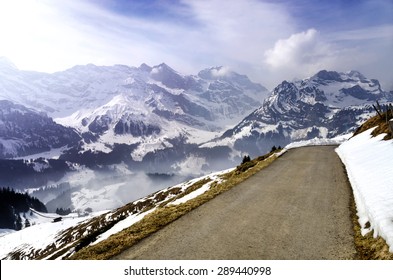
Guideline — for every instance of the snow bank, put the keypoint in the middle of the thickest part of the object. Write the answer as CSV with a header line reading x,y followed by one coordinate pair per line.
x,y
369,163
319,142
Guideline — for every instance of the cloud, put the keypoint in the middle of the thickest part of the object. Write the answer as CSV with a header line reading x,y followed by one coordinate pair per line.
x,y
52,35
237,32
302,54
221,72
260,38
304,50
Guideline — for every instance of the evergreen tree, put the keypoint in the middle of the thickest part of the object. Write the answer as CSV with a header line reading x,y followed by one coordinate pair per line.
x,y
27,223
246,159
63,212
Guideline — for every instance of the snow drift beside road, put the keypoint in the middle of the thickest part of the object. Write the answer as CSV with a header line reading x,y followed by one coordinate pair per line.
x,y
369,163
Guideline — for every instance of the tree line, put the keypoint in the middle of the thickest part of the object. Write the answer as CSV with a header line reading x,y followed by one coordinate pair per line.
x,y
13,204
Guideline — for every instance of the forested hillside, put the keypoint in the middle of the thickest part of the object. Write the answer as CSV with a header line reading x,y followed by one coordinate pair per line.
x,y
14,208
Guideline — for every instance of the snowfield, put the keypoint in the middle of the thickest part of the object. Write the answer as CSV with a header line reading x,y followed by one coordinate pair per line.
x,y
369,164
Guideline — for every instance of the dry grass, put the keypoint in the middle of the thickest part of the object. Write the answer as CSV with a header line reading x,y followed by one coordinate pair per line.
x,y
162,216
368,247
380,123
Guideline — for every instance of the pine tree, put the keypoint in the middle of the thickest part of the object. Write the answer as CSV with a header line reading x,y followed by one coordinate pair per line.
x,y
18,222
27,223
246,159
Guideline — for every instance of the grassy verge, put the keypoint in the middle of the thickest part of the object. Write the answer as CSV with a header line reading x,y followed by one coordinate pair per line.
x,y
166,214
368,247
380,124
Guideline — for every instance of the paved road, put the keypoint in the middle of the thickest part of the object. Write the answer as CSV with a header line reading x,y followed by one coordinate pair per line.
x,y
297,208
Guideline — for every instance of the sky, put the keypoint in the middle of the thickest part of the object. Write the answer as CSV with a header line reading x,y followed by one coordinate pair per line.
x,y
268,40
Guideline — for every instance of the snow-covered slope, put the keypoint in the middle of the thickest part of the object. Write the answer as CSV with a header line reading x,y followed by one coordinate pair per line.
x,y
369,164
325,105
62,93
24,132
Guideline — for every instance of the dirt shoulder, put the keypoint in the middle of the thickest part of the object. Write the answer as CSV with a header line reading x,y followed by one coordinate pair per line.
x,y
297,208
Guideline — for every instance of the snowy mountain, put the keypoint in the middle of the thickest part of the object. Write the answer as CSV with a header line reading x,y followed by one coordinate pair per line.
x,y
325,105
148,106
115,127
24,131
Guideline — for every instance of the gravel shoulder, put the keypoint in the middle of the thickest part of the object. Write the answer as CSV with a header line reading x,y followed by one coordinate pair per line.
x,y
297,208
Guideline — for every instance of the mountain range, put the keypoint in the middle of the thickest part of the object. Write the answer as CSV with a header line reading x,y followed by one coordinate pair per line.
x,y
326,105
147,105
117,121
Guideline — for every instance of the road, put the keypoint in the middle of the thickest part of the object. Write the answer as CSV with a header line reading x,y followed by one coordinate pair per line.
x,y
297,208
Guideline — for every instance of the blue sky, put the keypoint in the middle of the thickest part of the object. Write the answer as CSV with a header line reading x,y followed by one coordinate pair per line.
x,y
269,40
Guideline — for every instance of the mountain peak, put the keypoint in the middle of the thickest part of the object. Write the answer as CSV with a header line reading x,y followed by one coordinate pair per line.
x,y
334,76
328,76
169,77
355,74
162,67
144,67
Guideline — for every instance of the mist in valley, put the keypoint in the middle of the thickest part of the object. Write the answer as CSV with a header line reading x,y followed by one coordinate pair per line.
x,y
99,191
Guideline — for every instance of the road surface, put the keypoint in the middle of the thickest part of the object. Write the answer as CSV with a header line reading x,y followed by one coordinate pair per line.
x,y
297,208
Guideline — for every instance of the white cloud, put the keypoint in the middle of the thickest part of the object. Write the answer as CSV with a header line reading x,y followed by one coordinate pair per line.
x,y
239,31
221,72
300,50
305,53
369,33
246,35
49,35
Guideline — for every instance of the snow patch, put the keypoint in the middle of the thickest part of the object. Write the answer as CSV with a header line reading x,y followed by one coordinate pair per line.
x,y
319,142
369,162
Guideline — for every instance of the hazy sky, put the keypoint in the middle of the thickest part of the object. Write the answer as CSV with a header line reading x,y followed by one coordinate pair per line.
x,y
269,40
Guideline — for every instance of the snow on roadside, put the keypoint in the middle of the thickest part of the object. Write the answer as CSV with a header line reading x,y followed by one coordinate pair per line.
x,y
215,177
194,194
126,223
319,142
369,164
